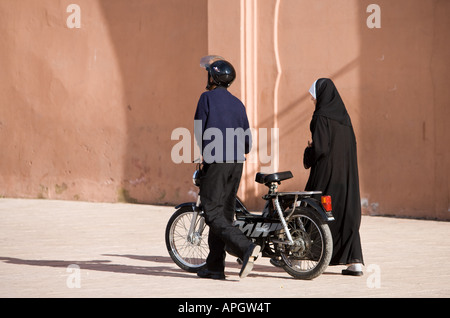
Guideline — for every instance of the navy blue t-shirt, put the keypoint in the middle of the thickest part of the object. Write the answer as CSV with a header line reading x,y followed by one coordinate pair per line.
x,y
221,127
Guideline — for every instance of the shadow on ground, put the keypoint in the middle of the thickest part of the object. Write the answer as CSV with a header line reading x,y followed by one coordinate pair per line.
x,y
107,265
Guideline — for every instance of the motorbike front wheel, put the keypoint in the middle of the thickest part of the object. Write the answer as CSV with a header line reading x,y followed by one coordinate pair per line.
x,y
313,245
189,252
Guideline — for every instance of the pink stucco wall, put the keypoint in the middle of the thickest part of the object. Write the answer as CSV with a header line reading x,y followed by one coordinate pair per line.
x,y
87,113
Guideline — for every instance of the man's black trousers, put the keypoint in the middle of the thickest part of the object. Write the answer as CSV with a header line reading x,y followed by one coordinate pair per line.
x,y
219,183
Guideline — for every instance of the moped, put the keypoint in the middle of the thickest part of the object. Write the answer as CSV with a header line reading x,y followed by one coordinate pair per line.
x,y
292,229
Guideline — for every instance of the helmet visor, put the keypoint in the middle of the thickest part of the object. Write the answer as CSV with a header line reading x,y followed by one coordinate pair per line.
x,y
206,61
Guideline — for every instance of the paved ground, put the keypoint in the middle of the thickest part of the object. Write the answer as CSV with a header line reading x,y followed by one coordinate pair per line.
x,y
77,249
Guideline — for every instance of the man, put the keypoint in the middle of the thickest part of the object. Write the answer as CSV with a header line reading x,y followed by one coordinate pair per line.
x,y
224,139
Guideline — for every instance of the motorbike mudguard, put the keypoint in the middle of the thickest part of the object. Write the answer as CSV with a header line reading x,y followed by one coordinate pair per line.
x,y
326,216
189,205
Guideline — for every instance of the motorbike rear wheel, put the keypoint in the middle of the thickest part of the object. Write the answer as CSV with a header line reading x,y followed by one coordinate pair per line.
x,y
189,253
311,253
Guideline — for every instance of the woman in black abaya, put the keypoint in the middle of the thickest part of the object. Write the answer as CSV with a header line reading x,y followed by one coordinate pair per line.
x,y
334,170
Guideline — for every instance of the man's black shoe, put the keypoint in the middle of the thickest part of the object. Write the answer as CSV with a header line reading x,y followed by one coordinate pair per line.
x,y
206,273
276,261
249,259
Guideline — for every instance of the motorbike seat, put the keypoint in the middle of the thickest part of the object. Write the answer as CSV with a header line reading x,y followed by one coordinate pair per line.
x,y
273,177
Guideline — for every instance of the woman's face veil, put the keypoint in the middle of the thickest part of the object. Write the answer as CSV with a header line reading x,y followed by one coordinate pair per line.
x,y
315,89
328,101
312,90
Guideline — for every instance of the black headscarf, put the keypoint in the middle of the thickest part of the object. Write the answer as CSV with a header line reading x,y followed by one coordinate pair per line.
x,y
329,103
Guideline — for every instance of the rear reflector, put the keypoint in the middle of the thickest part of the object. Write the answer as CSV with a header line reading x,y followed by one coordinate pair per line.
x,y
326,202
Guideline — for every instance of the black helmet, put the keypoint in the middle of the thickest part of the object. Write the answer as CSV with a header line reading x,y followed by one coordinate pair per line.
x,y
220,72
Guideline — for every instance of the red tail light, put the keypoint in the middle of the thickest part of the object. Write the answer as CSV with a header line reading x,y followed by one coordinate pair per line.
x,y
326,202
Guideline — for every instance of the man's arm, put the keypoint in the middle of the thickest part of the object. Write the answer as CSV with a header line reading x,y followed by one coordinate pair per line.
x,y
200,119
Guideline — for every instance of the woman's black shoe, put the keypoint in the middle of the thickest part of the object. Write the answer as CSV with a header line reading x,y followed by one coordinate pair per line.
x,y
352,273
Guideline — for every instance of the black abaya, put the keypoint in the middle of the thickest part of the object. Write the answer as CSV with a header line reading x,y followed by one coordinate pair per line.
x,y
334,171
